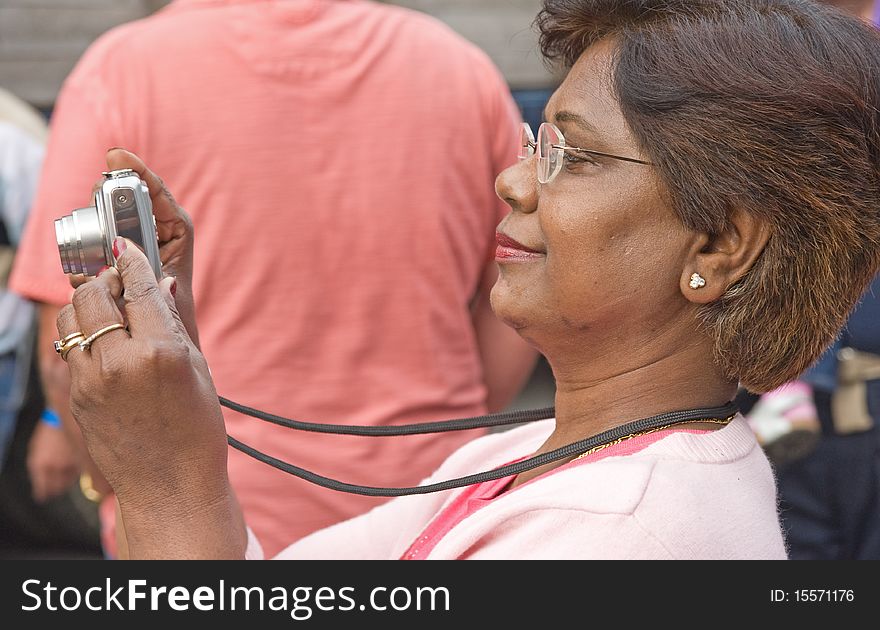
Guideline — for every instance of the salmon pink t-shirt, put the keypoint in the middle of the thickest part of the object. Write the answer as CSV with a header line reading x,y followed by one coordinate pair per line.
x,y
338,160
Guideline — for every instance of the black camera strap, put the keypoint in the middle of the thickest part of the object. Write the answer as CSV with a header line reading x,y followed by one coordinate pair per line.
x,y
653,423
462,424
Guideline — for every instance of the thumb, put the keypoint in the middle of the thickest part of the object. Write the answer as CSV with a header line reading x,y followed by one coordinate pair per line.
x,y
164,206
118,158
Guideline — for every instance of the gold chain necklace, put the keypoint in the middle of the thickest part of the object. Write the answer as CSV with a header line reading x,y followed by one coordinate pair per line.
x,y
596,449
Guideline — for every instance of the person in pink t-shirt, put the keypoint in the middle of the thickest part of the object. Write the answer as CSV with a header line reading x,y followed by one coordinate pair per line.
x,y
353,145
697,211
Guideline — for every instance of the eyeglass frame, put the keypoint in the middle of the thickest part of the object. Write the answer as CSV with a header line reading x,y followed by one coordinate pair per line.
x,y
531,147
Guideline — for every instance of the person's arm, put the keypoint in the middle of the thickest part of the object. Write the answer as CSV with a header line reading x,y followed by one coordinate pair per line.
x,y
508,361
55,380
56,455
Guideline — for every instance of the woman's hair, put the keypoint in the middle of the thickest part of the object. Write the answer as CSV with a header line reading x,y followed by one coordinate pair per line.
x,y
765,106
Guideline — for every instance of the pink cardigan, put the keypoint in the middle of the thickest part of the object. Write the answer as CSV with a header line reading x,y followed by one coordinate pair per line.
x,y
687,496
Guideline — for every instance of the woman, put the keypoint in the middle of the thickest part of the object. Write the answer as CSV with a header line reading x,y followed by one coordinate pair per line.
x,y
700,213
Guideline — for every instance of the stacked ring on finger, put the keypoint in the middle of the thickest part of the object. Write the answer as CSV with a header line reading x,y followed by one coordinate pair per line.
x,y
86,343
63,346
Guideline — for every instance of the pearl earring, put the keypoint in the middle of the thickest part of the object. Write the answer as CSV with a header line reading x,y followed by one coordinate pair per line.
x,y
697,281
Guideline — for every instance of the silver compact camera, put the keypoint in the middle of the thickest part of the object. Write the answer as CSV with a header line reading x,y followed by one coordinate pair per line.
x,y
122,208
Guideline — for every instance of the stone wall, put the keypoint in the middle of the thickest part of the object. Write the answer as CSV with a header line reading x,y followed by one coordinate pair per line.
x,y
503,28
41,40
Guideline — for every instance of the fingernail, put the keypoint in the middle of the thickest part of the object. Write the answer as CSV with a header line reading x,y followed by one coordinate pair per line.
x,y
102,270
119,246
173,288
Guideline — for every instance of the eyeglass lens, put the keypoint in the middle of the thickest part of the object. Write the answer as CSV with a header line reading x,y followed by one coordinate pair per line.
x,y
548,147
549,154
527,142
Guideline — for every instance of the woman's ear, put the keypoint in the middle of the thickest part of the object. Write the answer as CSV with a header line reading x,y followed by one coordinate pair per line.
x,y
717,261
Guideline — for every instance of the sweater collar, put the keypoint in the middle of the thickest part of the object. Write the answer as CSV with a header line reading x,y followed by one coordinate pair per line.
x,y
209,3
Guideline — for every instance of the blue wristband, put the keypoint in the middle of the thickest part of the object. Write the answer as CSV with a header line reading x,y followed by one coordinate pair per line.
x,y
51,418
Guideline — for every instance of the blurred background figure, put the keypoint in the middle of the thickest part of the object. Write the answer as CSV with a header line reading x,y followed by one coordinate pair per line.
x,y
37,460
328,138
822,432
22,135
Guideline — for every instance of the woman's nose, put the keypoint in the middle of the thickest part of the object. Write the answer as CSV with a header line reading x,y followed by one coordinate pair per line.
x,y
517,186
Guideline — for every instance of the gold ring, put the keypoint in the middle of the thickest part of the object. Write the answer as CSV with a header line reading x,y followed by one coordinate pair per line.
x,y
63,346
86,343
72,336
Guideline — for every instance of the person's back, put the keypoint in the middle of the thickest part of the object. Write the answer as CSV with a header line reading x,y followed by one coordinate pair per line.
x,y
352,145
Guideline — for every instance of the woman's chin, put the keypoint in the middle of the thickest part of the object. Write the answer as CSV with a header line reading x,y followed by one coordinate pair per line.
x,y
507,307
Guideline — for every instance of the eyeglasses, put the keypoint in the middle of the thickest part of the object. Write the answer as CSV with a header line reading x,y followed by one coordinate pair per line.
x,y
551,149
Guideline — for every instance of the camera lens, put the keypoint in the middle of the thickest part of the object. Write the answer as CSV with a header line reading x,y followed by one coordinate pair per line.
x,y
80,238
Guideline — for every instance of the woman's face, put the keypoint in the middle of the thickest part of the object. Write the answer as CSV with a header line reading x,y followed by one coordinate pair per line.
x,y
610,251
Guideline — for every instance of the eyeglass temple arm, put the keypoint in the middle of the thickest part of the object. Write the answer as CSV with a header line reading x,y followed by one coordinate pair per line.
x,y
608,155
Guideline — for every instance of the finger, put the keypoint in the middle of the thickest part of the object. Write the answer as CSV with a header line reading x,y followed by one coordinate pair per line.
x,y
96,188
110,276
164,205
77,279
66,322
149,314
95,307
190,332
167,288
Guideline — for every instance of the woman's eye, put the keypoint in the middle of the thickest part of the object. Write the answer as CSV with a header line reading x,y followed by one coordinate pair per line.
x,y
573,160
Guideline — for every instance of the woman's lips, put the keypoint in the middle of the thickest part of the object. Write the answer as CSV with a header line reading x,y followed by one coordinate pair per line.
x,y
510,250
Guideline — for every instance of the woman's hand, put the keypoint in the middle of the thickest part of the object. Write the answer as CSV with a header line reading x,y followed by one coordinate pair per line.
x,y
149,413
175,232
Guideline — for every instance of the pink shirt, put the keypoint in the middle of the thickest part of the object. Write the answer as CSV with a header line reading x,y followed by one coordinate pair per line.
x,y
338,159
690,495
474,497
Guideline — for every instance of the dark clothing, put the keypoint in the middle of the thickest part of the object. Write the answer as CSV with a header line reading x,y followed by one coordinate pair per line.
x,y
830,499
66,526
